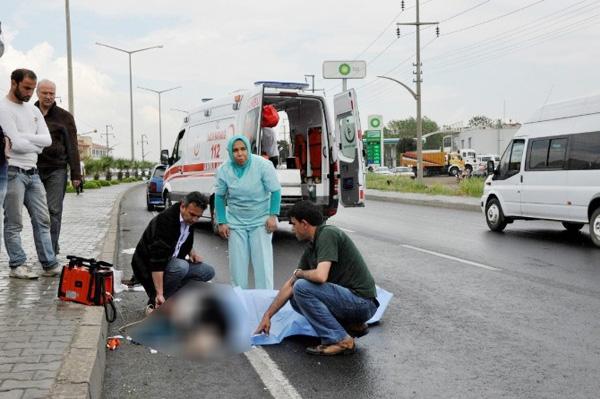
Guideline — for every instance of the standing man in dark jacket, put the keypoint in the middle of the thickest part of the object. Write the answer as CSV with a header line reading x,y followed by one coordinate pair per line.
x,y
159,261
52,162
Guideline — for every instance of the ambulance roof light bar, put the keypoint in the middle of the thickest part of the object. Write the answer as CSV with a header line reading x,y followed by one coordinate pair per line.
x,y
283,85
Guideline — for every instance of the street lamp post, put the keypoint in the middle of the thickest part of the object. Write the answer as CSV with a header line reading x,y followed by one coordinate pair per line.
x,y
129,52
69,58
417,97
159,92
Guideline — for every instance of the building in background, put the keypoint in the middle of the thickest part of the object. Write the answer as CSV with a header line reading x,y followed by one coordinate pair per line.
x,y
89,149
485,140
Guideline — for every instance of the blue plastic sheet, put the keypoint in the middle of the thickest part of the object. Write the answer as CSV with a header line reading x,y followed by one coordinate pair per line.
x,y
287,321
206,320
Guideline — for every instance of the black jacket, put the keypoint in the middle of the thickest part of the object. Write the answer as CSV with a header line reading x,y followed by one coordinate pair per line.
x,y
64,149
2,155
156,247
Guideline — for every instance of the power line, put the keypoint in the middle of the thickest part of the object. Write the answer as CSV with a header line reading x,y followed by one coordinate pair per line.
x,y
502,35
512,48
508,33
493,19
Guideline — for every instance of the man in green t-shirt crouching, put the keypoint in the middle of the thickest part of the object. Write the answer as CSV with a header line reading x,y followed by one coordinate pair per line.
x,y
332,286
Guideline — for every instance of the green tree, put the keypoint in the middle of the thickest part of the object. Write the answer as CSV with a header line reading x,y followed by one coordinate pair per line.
x,y
406,144
480,121
408,127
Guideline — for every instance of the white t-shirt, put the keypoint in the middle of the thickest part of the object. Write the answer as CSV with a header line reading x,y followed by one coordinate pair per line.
x,y
268,142
24,124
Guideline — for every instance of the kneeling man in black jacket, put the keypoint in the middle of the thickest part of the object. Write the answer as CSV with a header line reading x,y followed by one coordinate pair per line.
x,y
159,261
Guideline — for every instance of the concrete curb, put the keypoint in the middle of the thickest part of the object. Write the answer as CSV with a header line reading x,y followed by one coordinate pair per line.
x,y
82,372
425,201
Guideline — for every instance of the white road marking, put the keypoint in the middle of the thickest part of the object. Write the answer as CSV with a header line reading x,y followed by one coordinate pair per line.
x,y
271,375
346,230
128,251
454,258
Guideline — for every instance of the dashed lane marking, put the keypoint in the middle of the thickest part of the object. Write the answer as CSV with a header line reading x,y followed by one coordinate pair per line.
x,y
346,230
279,386
454,258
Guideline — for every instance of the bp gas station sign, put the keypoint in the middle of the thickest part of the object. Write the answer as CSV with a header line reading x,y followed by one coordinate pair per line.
x,y
344,69
373,139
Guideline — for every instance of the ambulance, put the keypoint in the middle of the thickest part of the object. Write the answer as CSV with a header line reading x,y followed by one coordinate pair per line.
x,y
321,159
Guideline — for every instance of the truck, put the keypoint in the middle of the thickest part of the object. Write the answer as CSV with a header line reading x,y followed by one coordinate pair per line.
x,y
434,162
323,161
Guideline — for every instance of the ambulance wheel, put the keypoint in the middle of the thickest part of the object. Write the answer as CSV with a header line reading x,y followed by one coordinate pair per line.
x,y
494,216
595,227
572,227
168,201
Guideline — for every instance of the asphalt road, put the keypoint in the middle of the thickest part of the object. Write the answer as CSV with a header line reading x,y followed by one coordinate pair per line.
x,y
475,314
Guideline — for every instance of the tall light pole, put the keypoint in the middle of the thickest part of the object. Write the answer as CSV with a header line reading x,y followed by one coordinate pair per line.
x,y
159,92
129,52
69,58
418,81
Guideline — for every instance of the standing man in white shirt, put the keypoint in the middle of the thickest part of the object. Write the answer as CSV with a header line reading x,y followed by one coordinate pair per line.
x,y
24,124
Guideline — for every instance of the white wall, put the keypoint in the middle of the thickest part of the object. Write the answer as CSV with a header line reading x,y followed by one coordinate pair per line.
x,y
486,140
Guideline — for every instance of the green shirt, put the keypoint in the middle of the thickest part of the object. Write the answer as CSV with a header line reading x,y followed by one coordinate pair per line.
x,y
348,267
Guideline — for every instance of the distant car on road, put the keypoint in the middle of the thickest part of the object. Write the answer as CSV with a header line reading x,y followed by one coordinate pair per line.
x,y
482,161
403,171
154,188
382,170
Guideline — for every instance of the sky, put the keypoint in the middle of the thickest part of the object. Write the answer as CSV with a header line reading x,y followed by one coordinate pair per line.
x,y
499,58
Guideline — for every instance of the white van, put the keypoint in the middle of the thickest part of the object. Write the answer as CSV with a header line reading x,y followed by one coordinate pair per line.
x,y
550,170
315,163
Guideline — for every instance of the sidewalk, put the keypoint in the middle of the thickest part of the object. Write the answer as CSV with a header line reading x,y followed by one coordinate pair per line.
x,y
49,348
441,201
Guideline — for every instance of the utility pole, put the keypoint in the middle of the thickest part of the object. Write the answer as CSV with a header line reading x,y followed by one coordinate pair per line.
x,y
418,81
312,86
143,140
69,59
107,134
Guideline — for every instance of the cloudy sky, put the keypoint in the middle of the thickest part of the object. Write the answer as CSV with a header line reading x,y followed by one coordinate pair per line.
x,y
500,58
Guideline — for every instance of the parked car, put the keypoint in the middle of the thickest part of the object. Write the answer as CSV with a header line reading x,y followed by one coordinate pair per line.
x,y
154,188
382,170
403,171
482,160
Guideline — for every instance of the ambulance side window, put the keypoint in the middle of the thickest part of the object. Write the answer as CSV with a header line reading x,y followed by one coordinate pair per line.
x,y
178,148
251,126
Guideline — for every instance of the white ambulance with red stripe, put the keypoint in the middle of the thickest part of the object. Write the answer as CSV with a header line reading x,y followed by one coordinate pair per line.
x,y
321,159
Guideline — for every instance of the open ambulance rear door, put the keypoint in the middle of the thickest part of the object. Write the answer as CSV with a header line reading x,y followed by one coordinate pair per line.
x,y
348,135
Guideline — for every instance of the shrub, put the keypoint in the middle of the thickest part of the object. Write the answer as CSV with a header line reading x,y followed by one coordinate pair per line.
x,y
472,187
104,183
90,185
114,182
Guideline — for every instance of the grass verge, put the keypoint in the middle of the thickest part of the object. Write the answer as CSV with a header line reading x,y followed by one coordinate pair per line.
x,y
472,187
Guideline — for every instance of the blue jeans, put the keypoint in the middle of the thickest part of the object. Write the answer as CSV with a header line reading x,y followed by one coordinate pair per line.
x,y
327,306
180,271
55,183
28,190
3,185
